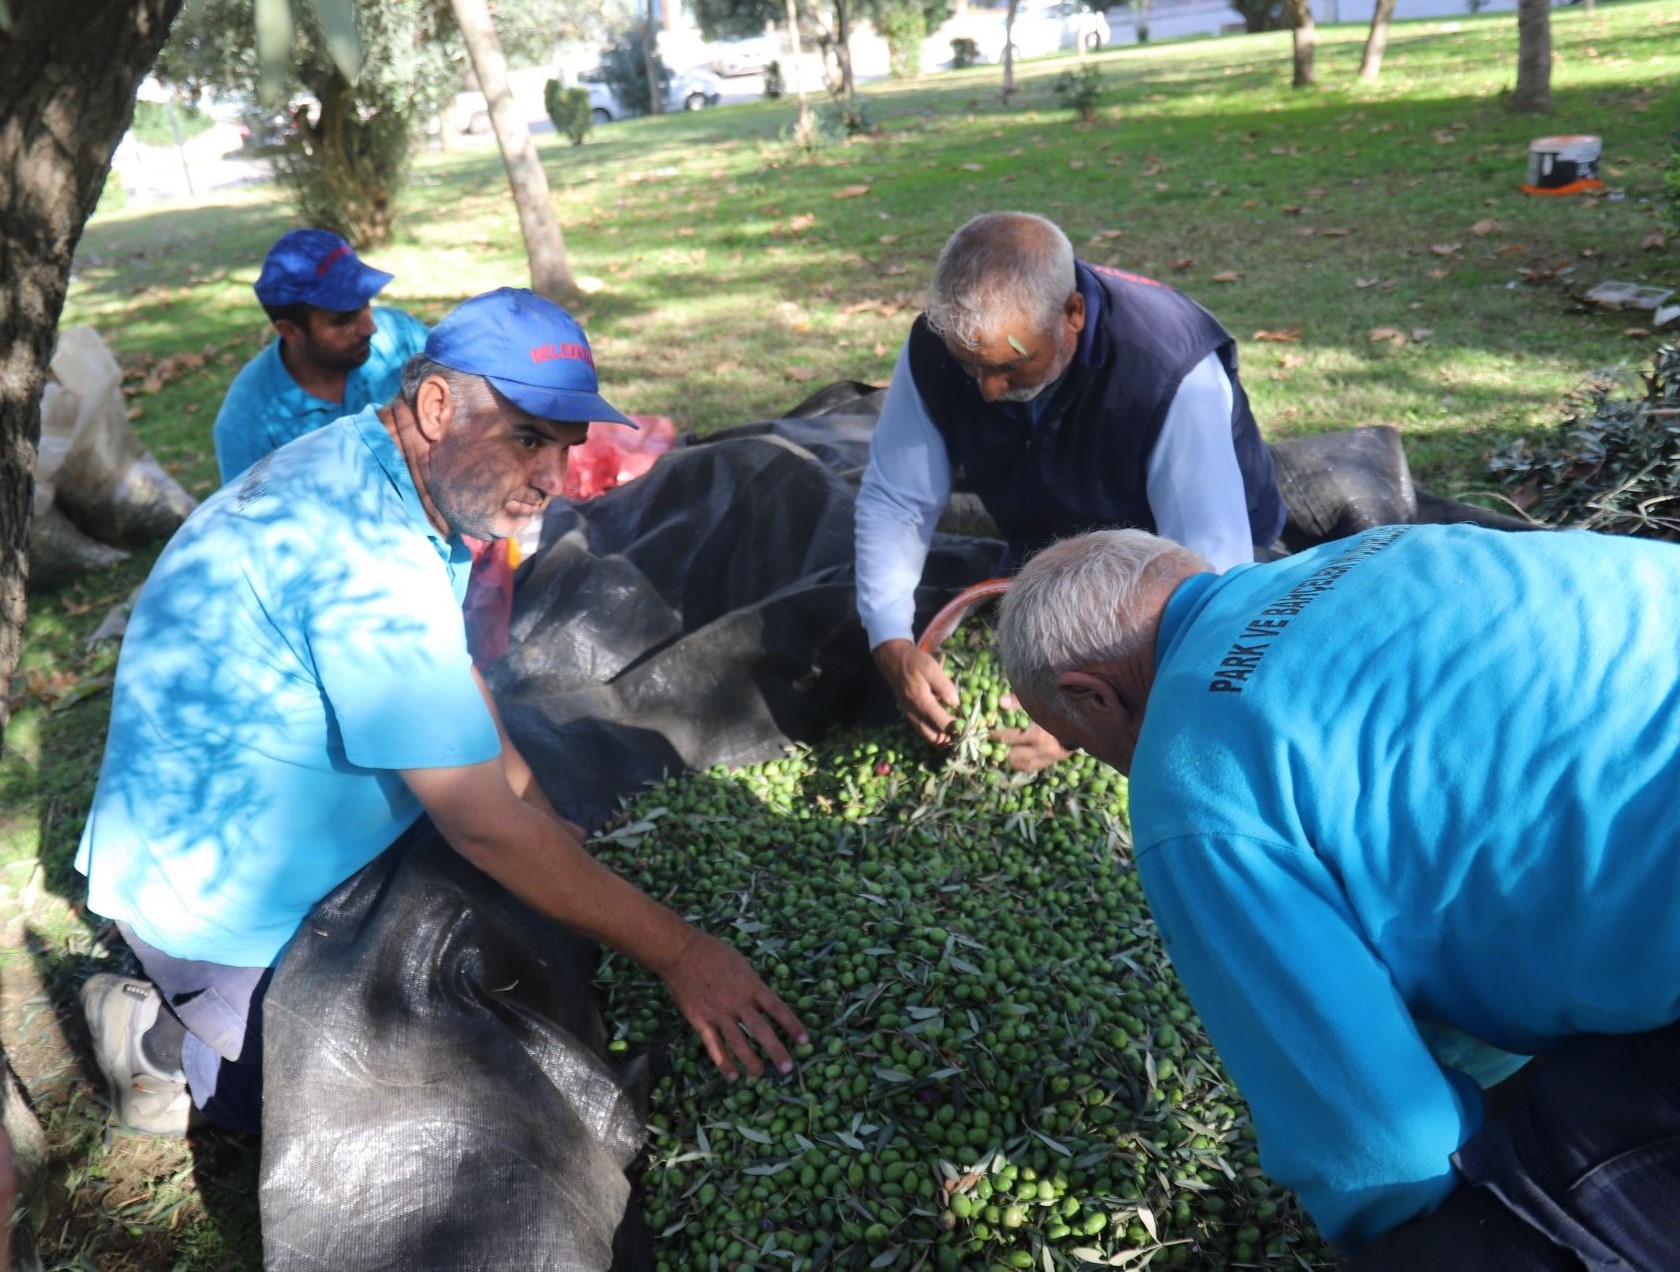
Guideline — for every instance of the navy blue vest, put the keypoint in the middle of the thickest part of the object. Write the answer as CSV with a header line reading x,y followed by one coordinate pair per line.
x,y
1075,459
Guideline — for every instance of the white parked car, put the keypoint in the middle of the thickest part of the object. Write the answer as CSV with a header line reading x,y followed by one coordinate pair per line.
x,y
744,57
1043,27
692,90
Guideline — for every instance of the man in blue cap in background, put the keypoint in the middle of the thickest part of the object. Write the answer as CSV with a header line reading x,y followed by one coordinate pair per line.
x,y
295,691
335,354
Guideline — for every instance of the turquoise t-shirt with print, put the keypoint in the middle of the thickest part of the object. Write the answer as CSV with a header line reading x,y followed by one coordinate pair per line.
x,y
1427,774
298,642
265,408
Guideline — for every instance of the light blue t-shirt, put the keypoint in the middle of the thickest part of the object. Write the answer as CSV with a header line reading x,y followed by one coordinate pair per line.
x,y
298,642
264,407
1425,774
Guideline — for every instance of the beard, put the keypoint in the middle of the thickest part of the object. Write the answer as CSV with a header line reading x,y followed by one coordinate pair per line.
x,y
1026,394
338,359
471,500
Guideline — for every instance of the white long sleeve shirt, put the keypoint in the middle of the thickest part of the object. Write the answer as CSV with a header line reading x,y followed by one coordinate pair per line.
x,y
1192,481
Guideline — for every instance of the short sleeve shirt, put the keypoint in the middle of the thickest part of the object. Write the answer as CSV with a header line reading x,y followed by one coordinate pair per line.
x,y
298,643
264,408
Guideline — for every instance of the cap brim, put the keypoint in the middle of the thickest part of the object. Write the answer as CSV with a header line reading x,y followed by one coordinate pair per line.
x,y
353,291
564,406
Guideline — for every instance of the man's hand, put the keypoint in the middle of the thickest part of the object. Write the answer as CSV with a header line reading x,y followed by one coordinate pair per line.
x,y
1031,748
923,690
730,1007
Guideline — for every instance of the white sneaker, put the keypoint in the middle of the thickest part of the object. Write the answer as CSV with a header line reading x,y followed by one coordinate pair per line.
x,y
119,1010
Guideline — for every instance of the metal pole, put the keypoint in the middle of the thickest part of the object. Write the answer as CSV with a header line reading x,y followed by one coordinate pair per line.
x,y
180,146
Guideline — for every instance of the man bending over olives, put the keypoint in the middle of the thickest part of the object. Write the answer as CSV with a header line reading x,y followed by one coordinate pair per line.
x,y
1072,396
295,691
1421,777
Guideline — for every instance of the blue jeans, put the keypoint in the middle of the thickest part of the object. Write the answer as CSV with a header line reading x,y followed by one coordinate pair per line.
x,y
221,1007
1583,1173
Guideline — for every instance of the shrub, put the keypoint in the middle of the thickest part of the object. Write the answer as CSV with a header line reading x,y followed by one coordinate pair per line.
x,y
905,27
773,86
569,109
625,72
964,53
1081,90
152,124
345,170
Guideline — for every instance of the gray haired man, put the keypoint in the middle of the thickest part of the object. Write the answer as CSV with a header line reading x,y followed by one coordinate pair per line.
x,y
1071,396
1411,788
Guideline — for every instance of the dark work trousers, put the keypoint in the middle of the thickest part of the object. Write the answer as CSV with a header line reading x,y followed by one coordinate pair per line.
x,y
221,1007
1581,1174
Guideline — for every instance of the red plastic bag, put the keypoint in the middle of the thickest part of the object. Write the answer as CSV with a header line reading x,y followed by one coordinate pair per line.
x,y
616,453
489,605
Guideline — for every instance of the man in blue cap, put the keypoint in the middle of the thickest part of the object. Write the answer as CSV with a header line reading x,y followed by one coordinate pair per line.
x,y
295,691
335,354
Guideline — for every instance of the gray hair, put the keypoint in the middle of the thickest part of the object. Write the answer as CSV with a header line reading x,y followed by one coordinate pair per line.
x,y
463,385
1000,266
1083,602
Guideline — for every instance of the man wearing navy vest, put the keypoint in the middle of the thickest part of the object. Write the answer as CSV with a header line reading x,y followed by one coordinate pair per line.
x,y
1073,397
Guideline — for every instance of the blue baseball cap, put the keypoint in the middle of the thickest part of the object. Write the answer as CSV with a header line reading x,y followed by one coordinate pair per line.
x,y
532,350
317,267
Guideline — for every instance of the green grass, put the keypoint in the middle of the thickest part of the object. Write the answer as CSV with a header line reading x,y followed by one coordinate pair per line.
x,y
738,275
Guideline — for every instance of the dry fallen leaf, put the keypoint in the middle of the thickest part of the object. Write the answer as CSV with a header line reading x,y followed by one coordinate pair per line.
x,y
895,270
887,239
1393,335
851,192
1439,273
1335,233
1445,249
881,350
1162,185
1106,234
726,366
1637,331
1293,209
1184,262
1422,333
971,167
1511,249
801,373
1293,360
1076,163
1228,276
1653,240
1286,335
801,223
1363,283
1445,138
134,413
1487,225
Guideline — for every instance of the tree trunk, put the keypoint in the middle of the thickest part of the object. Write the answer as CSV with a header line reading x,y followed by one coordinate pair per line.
x,y
1370,65
1534,57
806,126
650,64
551,273
1306,37
843,52
1009,50
68,75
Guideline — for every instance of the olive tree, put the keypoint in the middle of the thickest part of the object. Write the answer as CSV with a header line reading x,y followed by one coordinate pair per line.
x,y
348,157
68,75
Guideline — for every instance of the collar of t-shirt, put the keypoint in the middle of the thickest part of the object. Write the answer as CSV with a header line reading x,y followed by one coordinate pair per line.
x,y
1087,354
385,452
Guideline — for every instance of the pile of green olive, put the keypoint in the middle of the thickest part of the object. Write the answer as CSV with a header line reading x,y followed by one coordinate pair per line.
x,y
1003,1071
